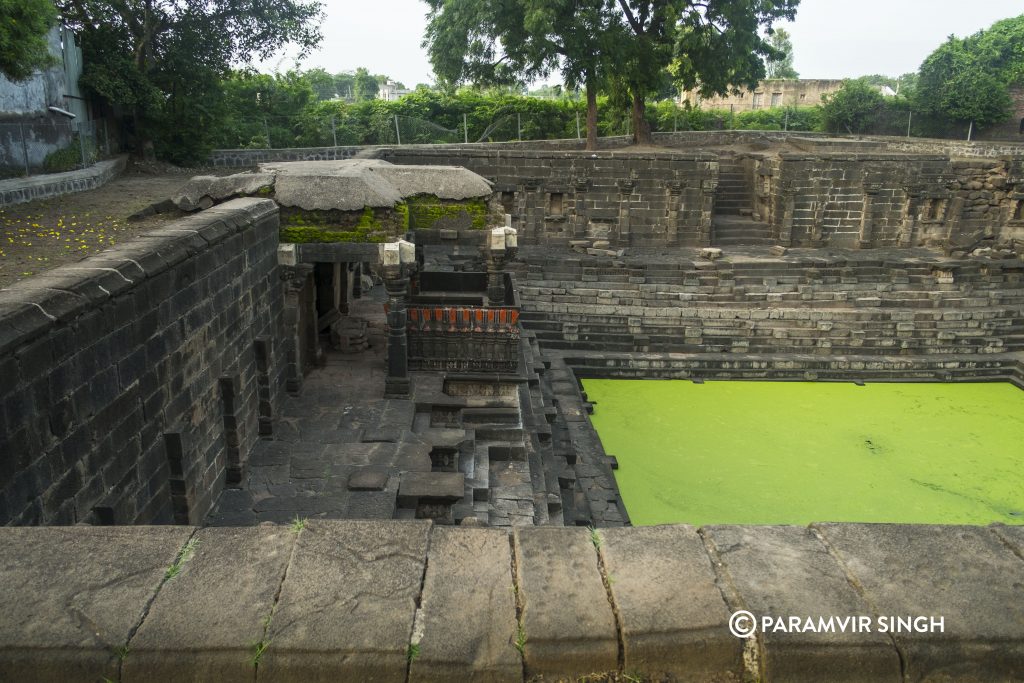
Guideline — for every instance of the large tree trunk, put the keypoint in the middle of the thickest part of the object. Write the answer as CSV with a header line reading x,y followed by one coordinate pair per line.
x,y
641,129
591,115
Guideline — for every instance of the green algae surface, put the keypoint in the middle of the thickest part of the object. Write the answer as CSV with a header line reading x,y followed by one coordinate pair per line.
x,y
802,452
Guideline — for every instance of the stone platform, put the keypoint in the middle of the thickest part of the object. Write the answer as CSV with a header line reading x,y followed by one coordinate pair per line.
x,y
408,601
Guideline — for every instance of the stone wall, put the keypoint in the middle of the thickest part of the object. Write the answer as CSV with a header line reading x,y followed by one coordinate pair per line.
x,y
137,381
637,199
20,190
919,309
407,601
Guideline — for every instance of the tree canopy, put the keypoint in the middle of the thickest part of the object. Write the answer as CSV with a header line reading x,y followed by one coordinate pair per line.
x,y
23,28
712,46
967,79
781,65
163,59
511,42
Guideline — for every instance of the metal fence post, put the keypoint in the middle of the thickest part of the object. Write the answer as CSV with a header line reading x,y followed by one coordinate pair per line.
x,y
398,133
578,136
24,147
465,129
81,143
519,127
910,117
266,130
334,132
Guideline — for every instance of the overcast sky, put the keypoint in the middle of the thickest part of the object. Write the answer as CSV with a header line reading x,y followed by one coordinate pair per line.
x,y
831,38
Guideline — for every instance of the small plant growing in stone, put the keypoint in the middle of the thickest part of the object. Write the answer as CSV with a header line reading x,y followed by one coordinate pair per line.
x,y
258,650
184,556
521,639
412,652
595,537
121,652
298,524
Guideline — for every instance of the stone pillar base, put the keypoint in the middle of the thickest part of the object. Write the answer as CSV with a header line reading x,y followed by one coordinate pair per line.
x,y
396,387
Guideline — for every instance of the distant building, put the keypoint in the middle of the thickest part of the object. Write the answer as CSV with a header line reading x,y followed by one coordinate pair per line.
x,y
389,91
768,94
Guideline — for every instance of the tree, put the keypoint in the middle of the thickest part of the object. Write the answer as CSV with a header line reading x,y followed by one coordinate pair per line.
x,y
163,59
23,28
781,65
511,42
711,45
967,79
364,85
854,108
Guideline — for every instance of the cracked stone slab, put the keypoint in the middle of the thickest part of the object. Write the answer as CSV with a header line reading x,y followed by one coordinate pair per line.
x,y
347,606
352,184
784,571
467,623
965,574
206,621
567,620
674,620
66,614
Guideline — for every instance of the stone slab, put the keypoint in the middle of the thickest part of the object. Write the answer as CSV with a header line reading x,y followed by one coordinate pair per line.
x,y
206,622
674,620
967,575
567,620
432,485
347,606
785,571
467,621
72,596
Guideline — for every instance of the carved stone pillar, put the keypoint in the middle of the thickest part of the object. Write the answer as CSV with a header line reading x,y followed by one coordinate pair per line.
x,y
396,284
788,211
299,319
911,209
580,217
866,236
707,203
532,210
626,187
675,193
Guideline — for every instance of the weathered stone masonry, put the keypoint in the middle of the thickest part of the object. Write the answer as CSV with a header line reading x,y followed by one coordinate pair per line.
x,y
135,382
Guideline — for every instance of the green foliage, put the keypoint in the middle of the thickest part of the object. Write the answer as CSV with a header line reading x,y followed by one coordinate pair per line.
x,y
23,28
163,61
854,108
70,157
780,65
412,652
967,79
184,556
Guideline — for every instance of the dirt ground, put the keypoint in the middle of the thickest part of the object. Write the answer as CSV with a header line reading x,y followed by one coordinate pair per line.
x,y
40,235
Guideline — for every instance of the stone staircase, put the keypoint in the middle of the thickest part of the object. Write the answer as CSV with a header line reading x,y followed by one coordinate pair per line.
x,y
871,308
731,231
732,222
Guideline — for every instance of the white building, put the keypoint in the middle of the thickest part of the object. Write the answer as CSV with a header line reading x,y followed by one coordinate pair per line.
x,y
389,91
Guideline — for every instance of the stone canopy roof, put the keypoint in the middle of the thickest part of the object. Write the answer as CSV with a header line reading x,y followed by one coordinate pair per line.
x,y
349,185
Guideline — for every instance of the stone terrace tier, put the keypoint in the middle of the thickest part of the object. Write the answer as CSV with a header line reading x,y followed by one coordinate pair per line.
x,y
888,302
407,601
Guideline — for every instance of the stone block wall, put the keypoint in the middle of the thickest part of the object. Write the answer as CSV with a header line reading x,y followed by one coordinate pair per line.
x,y
639,199
920,309
136,382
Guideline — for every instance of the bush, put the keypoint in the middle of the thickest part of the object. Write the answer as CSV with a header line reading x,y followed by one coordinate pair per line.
x,y
70,157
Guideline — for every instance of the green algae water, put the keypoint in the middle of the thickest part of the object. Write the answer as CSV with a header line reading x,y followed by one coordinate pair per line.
x,y
794,453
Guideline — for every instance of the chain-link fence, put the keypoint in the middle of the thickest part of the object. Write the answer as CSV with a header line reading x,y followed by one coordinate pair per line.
x,y
52,146
383,127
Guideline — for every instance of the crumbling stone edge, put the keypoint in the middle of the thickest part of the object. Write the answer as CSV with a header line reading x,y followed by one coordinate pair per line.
x,y
352,600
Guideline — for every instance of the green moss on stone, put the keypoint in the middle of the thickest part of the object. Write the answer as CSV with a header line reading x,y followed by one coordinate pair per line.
x,y
426,210
307,234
